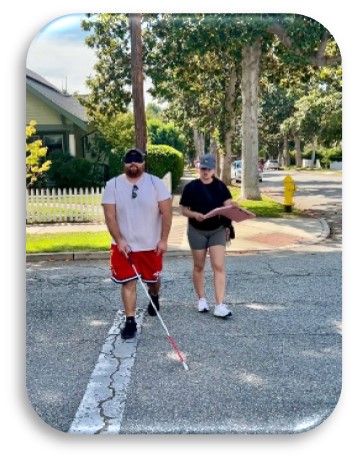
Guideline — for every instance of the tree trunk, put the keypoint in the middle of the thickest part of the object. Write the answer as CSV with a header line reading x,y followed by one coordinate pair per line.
x,y
199,142
286,154
225,173
313,154
298,157
214,151
137,81
250,81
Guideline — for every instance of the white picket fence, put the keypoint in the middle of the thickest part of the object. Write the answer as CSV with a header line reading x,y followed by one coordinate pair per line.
x,y
62,206
72,205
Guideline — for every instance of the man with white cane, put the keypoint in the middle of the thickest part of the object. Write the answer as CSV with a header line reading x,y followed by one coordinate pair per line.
x,y
138,214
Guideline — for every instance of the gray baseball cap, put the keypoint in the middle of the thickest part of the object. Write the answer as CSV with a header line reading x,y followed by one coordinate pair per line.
x,y
208,161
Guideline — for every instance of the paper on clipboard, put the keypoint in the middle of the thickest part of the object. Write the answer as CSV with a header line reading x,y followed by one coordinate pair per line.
x,y
236,214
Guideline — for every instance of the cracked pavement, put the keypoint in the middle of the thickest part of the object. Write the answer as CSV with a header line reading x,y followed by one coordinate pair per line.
x,y
273,367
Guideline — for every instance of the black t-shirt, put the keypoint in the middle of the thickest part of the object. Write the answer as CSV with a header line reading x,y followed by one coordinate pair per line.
x,y
203,198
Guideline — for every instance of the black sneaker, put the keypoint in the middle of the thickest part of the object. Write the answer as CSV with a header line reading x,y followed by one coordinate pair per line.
x,y
129,329
155,299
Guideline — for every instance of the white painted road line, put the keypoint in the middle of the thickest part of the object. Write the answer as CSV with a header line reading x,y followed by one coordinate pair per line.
x,y
102,407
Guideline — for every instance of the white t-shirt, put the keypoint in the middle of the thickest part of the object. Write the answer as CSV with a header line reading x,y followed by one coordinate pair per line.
x,y
139,218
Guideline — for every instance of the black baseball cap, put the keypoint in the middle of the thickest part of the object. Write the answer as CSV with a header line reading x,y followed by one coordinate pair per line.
x,y
134,155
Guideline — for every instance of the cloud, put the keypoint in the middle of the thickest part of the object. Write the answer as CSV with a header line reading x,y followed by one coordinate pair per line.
x,y
58,53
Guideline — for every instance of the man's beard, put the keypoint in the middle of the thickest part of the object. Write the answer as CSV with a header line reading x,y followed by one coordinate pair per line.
x,y
133,171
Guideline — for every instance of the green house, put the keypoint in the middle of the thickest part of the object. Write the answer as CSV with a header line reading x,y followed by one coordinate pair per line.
x,y
61,119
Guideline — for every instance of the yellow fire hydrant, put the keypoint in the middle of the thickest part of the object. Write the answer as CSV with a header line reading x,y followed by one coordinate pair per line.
x,y
289,190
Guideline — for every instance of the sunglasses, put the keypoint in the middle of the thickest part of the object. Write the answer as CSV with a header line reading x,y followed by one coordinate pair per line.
x,y
204,168
133,161
134,192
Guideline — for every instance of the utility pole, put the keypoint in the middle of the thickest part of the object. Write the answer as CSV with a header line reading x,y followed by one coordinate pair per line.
x,y
137,81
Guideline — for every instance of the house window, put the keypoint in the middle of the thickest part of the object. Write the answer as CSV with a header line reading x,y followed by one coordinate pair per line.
x,y
53,142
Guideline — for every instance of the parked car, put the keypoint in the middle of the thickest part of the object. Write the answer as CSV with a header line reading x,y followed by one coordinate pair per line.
x,y
272,164
236,171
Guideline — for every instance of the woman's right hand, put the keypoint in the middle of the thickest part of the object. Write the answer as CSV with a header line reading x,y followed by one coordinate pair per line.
x,y
199,216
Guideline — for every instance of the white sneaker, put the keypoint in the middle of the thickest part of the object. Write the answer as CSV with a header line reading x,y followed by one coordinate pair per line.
x,y
222,311
202,305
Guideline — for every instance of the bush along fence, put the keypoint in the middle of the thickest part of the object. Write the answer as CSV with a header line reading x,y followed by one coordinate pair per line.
x,y
64,206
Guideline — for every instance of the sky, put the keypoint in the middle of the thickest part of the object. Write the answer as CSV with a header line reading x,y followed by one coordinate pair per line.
x,y
58,53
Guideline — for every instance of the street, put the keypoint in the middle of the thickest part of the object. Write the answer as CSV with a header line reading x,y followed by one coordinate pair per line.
x,y
317,193
273,367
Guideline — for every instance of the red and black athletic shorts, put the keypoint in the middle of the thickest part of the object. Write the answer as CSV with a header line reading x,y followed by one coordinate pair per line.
x,y
148,264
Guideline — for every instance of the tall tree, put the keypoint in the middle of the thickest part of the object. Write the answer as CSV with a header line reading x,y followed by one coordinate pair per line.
x,y
191,64
137,80
118,44
109,87
250,39
199,59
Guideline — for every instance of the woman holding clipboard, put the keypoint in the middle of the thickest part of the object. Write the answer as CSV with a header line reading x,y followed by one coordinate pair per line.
x,y
200,197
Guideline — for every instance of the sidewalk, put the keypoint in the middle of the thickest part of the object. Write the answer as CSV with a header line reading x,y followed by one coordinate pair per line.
x,y
256,235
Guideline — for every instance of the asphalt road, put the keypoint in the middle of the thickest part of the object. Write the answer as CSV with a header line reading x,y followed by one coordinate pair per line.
x,y
318,193
273,367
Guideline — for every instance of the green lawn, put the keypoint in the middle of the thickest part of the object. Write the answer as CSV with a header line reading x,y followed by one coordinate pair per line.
x,y
97,241
67,242
265,208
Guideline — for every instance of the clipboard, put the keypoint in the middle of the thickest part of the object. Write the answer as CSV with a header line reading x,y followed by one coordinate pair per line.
x,y
236,214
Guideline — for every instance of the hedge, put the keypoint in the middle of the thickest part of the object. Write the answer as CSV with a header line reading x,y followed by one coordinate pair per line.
x,y
161,159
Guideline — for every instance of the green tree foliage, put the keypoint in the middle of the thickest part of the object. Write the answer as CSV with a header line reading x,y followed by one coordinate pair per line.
x,y
320,116
276,105
190,62
317,95
109,87
165,133
119,131
154,111
107,104
113,135
317,116
288,48
210,67
36,165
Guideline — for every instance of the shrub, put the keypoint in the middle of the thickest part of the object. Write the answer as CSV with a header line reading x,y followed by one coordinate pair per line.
x,y
72,172
326,155
115,162
161,159
36,163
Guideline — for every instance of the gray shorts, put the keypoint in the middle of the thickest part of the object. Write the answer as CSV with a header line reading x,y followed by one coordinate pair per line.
x,y
199,239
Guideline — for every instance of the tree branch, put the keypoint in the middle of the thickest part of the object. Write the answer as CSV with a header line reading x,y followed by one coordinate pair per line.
x,y
320,59
322,47
280,32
